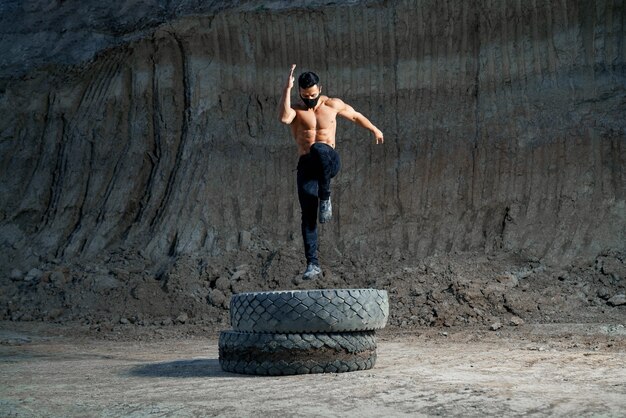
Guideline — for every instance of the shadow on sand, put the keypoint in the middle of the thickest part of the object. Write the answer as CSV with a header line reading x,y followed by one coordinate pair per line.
x,y
182,368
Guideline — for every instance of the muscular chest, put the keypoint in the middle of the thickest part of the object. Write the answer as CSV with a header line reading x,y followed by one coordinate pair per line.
x,y
323,118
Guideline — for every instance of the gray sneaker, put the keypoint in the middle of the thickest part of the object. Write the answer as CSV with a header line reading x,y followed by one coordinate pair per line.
x,y
312,270
326,211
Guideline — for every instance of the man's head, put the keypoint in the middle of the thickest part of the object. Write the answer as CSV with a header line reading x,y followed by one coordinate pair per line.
x,y
308,79
310,89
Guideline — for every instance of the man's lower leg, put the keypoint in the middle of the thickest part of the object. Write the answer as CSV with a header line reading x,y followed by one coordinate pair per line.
x,y
326,211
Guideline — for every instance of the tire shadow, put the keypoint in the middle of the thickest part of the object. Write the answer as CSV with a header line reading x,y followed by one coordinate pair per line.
x,y
182,369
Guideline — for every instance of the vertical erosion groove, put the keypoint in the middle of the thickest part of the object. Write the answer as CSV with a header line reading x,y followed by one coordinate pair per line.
x,y
58,174
396,131
476,93
41,141
121,155
83,133
155,153
185,112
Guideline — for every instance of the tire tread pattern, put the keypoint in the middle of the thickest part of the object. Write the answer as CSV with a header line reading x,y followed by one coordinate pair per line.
x,y
296,353
310,311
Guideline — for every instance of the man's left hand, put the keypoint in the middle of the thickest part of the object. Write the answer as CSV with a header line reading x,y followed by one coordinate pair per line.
x,y
379,136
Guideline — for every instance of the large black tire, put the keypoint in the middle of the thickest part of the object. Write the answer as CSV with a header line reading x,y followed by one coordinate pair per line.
x,y
287,354
334,310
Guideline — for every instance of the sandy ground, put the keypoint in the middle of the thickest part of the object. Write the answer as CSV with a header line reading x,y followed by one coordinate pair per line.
x,y
535,370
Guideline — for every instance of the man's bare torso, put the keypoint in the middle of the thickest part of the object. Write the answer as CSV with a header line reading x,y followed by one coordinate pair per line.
x,y
311,126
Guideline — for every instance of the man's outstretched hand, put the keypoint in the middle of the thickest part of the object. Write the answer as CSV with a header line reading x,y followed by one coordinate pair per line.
x,y
379,136
291,79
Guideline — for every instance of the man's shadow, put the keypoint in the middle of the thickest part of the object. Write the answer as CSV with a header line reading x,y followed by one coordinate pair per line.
x,y
182,369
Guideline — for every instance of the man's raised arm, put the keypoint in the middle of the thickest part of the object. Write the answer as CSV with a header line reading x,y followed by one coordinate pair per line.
x,y
287,114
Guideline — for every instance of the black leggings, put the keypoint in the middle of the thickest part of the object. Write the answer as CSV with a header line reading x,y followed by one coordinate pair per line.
x,y
315,170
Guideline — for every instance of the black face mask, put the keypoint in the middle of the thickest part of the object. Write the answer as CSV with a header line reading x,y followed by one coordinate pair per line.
x,y
310,103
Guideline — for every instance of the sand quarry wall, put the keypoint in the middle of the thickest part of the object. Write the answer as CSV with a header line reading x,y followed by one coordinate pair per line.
x,y
153,125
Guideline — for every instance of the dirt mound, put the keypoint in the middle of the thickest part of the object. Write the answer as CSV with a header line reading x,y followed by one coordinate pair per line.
x,y
447,290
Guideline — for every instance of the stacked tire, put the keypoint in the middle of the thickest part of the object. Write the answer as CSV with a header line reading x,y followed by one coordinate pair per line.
x,y
303,331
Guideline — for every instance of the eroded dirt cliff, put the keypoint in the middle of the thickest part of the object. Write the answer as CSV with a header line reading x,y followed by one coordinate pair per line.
x,y
504,126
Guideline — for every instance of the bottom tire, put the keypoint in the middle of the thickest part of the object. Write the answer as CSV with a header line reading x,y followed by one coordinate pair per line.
x,y
287,354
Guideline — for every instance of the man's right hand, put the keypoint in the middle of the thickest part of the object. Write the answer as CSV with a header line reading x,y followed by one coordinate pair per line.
x,y
287,114
291,77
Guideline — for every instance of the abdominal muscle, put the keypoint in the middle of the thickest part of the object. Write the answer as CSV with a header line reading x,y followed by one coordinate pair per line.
x,y
306,133
308,138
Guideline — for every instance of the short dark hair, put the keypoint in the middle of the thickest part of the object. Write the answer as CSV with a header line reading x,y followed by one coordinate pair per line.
x,y
308,79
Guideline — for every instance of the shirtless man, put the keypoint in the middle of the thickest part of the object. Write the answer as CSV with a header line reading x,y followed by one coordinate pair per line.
x,y
313,125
